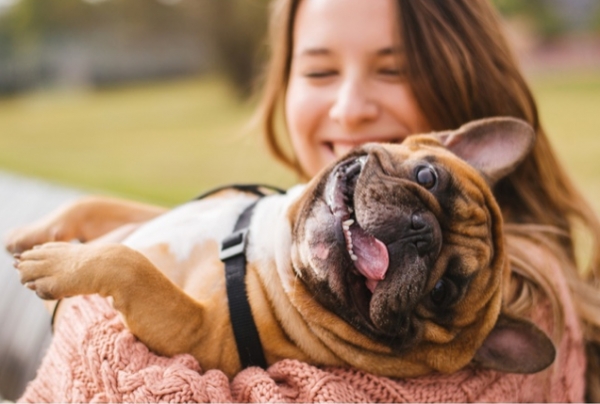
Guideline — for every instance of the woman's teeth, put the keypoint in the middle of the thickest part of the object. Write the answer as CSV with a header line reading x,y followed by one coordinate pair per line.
x,y
341,149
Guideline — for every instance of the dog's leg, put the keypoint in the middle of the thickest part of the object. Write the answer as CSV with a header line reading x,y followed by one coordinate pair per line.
x,y
157,312
85,219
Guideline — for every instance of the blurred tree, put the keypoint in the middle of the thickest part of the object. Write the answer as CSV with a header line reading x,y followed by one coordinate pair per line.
x,y
225,34
596,21
149,39
18,28
239,27
542,14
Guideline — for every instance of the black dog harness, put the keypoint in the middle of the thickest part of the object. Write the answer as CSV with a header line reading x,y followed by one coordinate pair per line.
x,y
233,255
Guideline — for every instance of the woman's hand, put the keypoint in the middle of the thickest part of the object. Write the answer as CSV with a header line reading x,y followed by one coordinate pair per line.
x,y
84,220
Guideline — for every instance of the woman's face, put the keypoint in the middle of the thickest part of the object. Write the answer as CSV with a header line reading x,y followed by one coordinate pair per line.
x,y
346,84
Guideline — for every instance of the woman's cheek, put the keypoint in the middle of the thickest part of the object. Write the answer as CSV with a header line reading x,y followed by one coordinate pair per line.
x,y
305,110
302,106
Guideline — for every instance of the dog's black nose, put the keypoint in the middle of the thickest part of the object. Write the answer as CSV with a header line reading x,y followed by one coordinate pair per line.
x,y
417,221
422,226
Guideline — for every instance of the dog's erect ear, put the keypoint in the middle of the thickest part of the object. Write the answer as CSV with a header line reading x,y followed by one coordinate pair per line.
x,y
494,146
515,346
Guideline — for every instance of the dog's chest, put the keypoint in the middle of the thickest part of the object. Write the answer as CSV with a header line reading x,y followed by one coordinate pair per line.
x,y
184,243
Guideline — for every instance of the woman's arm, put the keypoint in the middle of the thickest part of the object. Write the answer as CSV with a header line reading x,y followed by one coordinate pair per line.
x,y
88,219
92,345
85,219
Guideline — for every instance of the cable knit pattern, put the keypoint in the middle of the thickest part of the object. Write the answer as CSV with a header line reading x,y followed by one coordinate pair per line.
x,y
97,359
94,358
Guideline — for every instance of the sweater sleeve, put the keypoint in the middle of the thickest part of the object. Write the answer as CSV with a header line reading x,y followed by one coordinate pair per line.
x,y
94,358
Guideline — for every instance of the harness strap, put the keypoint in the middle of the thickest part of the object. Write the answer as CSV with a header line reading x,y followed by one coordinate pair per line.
x,y
233,247
256,189
233,254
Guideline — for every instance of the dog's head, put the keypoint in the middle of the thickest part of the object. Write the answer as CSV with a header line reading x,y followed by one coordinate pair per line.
x,y
405,243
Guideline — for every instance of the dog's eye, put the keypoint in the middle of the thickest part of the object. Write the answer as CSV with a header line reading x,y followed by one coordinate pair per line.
x,y
426,177
443,292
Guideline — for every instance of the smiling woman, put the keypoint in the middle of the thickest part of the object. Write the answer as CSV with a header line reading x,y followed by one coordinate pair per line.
x,y
441,64
346,72
347,86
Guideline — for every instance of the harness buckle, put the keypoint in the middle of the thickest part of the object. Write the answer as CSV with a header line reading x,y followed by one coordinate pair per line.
x,y
234,244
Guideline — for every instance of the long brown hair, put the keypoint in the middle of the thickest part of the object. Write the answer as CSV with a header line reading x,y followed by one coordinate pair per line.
x,y
460,68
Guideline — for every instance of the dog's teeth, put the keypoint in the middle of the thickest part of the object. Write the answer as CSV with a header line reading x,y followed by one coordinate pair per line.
x,y
348,236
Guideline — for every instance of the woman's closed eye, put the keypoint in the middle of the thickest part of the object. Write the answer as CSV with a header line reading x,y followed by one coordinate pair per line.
x,y
319,74
392,73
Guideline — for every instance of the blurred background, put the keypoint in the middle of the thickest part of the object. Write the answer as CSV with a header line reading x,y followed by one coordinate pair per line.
x,y
150,98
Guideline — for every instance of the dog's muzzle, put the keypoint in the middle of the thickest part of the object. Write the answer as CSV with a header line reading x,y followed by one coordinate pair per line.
x,y
370,255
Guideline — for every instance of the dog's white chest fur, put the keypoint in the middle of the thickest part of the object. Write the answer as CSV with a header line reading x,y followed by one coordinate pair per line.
x,y
189,225
214,218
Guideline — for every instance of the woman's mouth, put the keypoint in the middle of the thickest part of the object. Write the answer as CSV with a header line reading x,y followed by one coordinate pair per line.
x,y
339,148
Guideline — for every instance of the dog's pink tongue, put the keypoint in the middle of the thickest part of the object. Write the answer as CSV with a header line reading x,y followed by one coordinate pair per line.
x,y
372,256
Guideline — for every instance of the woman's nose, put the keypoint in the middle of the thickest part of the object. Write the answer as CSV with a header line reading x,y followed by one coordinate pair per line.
x,y
353,106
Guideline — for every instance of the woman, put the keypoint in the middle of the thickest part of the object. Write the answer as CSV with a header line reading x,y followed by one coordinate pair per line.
x,y
347,72
442,64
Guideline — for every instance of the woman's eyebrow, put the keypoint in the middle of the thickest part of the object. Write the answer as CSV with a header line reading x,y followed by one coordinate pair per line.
x,y
320,51
392,50
314,52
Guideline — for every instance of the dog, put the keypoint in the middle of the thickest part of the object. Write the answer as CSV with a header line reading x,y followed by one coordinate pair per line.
x,y
391,261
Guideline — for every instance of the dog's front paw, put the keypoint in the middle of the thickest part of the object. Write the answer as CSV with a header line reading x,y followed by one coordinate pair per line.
x,y
57,270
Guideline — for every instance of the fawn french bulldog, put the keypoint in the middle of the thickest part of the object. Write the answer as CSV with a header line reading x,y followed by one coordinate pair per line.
x,y
391,260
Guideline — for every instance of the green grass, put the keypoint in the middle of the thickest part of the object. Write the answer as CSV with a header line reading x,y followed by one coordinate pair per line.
x,y
161,143
570,111
166,142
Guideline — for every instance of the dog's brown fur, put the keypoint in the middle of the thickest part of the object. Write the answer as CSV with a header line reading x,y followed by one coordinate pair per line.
x,y
301,283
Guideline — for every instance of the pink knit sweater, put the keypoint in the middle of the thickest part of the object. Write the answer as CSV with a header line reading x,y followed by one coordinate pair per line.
x,y
94,358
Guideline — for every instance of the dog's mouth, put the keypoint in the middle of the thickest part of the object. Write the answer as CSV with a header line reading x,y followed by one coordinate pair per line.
x,y
373,243
368,254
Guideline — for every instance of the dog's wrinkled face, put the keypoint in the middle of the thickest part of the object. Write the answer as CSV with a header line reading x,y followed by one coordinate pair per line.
x,y
405,244
392,242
